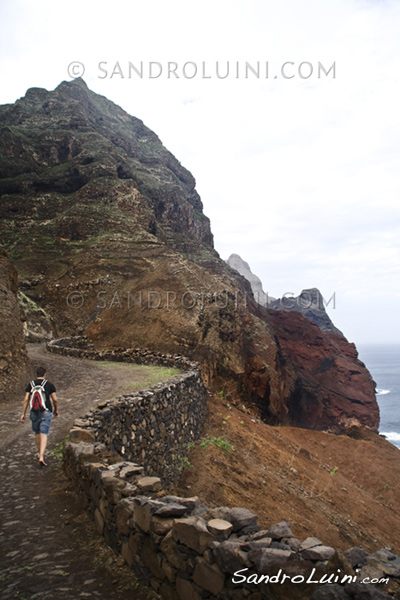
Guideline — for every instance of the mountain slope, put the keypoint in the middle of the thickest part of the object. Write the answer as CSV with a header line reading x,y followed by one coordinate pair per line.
x,y
109,237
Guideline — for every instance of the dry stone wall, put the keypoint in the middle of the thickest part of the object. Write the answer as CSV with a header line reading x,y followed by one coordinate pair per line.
x,y
153,426
184,550
177,546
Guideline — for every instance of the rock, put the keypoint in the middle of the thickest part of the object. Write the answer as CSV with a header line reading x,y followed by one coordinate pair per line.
x,y
193,533
279,546
318,553
130,490
161,526
130,471
265,558
360,591
42,556
309,303
220,529
82,435
98,519
15,368
321,360
293,543
242,267
190,503
142,513
229,556
385,561
369,572
152,559
166,592
123,512
241,518
127,554
81,423
220,512
169,570
209,577
186,590
171,510
113,489
310,542
280,530
262,543
356,557
171,551
149,484
330,592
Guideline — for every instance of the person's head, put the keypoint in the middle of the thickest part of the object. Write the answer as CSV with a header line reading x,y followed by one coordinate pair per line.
x,y
40,371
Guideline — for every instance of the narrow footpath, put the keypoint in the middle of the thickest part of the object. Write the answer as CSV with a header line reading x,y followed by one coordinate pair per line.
x,y
48,546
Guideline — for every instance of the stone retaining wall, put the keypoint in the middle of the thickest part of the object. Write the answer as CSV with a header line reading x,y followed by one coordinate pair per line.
x,y
180,548
80,347
186,551
152,426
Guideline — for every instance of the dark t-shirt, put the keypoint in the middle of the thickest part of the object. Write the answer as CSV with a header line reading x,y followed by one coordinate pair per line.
x,y
49,389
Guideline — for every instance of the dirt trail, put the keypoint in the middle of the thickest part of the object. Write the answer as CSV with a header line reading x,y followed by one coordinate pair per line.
x,y
48,547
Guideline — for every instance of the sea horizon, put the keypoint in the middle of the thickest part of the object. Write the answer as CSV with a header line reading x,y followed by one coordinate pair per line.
x,y
383,362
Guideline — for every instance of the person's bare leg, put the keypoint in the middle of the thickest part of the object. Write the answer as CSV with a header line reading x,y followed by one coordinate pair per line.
x,y
37,440
42,447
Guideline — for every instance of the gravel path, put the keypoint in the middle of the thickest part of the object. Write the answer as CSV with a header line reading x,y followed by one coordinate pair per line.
x,y
48,547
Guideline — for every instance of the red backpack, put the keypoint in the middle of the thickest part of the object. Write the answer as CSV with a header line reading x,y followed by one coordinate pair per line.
x,y
38,396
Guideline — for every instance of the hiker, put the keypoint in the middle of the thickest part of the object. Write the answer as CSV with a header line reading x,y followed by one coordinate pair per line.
x,y
43,405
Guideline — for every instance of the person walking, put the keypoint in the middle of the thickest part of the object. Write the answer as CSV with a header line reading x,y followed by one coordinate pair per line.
x,y
42,399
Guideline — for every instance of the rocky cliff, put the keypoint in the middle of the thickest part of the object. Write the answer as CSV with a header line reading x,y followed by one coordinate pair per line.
x,y
242,267
15,368
110,240
309,303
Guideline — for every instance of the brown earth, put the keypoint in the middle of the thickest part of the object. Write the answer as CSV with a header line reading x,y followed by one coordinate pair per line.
x,y
344,491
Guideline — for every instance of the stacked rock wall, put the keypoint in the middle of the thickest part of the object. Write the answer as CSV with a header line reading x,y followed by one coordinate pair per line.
x,y
180,548
80,347
186,551
153,426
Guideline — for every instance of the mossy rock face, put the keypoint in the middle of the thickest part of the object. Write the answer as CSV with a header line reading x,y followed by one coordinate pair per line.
x,y
109,237
15,367
38,322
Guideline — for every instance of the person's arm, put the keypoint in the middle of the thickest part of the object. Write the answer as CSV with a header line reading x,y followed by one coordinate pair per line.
x,y
55,401
24,407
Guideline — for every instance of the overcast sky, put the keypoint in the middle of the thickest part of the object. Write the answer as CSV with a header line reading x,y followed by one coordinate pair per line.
x,y
299,174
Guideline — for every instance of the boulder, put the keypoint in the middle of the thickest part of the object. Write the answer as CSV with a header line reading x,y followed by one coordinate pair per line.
x,y
149,484
280,530
357,557
266,558
171,510
229,556
220,529
241,518
193,533
318,553
209,577
385,561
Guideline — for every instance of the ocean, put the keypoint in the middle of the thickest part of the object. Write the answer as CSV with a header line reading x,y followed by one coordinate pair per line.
x,y
383,362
